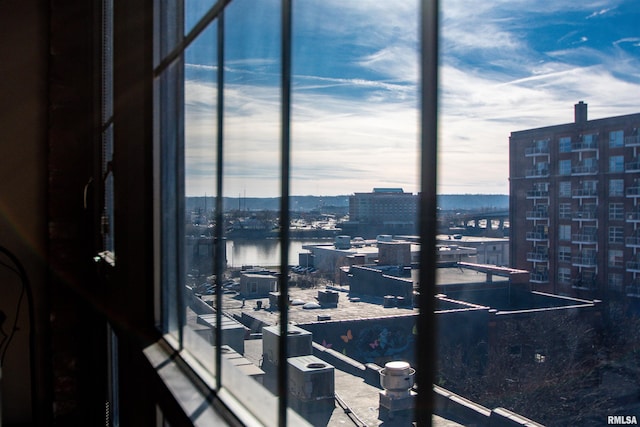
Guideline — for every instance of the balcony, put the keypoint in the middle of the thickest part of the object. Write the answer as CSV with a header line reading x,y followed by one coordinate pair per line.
x,y
538,194
539,277
536,173
537,150
632,192
632,242
633,288
540,213
588,238
591,145
584,169
584,285
632,141
537,256
585,214
584,261
633,266
584,192
537,236
633,166
632,216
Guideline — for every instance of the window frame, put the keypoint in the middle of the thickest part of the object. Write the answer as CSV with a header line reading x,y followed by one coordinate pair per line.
x,y
167,345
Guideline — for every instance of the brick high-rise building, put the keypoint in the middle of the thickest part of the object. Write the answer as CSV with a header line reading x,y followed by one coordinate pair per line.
x,y
575,205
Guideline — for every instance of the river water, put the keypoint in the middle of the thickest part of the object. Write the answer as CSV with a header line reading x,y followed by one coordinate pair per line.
x,y
264,252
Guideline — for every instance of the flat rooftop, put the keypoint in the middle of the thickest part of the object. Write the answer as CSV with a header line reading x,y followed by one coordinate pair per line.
x,y
441,238
366,307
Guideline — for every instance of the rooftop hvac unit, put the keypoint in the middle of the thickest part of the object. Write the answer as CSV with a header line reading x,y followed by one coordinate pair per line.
x,y
298,343
342,242
328,297
311,379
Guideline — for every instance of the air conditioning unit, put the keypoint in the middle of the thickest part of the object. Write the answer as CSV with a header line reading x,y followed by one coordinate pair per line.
x,y
311,379
298,343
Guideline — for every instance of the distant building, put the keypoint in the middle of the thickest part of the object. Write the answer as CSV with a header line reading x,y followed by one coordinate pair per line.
x,y
332,258
382,282
487,250
385,210
257,284
574,216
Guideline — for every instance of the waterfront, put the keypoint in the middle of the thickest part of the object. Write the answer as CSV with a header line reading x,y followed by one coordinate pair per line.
x,y
264,252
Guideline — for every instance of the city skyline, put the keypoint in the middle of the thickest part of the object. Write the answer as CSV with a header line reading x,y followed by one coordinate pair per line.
x,y
505,66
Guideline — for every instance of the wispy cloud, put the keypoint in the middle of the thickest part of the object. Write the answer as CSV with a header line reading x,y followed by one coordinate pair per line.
x,y
599,13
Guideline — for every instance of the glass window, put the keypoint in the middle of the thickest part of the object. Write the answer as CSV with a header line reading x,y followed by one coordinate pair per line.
x,y
564,189
616,280
616,234
564,275
564,144
616,211
616,164
616,187
564,253
564,210
615,258
564,167
564,232
616,138
234,151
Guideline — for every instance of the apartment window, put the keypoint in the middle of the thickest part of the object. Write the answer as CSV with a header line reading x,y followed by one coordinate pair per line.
x,y
564,232
616,211
616,164
564,253
564,210
616,138
616,258
564,144
564,167
616,281
564,275
564,189
616,234
228,95
616,187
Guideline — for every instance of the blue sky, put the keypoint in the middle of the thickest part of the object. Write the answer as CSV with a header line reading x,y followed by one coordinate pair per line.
x,y
506,65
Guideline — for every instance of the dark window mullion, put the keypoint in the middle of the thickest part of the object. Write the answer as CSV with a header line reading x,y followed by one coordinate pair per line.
x,y
427,328
285,124
179,201
219,243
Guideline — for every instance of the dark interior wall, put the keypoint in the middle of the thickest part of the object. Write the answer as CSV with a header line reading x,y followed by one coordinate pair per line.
x,y
23,181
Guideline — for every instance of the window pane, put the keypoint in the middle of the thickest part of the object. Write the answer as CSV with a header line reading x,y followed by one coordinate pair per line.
x,y
194,10
354,136
200,178
251,190
616,138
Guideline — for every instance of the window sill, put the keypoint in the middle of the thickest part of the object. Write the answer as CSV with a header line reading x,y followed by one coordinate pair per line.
x,y
198,403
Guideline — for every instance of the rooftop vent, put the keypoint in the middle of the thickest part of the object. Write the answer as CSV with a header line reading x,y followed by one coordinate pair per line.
x,y
397,379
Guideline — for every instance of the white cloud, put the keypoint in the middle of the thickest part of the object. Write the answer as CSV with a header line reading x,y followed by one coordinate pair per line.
x,y
351,133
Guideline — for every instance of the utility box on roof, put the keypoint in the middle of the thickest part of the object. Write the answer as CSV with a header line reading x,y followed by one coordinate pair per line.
x,y
298,343
311,379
